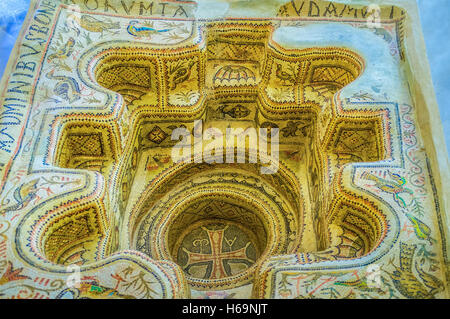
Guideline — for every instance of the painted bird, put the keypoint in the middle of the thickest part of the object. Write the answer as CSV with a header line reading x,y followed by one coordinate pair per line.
x,y
66,87
283,75
63,52
384,34
406,282
421,230
359,284
394,187
92,290
23,196
92,24
432,282
181,74
143,31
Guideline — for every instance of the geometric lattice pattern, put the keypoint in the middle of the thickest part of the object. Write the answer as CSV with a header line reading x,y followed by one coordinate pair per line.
x,y
85,144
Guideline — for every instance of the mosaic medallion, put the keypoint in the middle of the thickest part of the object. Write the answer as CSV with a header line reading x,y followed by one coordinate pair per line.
x,y
215,250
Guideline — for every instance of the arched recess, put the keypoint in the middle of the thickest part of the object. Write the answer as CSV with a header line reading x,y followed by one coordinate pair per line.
x,y
289,89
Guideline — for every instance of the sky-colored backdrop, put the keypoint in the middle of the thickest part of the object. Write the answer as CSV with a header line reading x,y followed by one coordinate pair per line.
x,y
435,18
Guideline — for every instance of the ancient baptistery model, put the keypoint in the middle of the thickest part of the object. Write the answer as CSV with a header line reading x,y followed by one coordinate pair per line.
x,y
222,148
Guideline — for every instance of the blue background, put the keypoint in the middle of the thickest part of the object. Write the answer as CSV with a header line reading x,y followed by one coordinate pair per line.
x,y
434,14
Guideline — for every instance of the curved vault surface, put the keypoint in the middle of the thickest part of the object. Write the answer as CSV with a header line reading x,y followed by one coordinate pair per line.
x,y
91,182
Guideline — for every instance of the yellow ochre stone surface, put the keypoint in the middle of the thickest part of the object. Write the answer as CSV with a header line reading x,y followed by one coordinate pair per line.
x,y
94,92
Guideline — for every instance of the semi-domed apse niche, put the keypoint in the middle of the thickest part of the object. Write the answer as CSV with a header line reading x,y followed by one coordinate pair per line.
x,y
216,218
